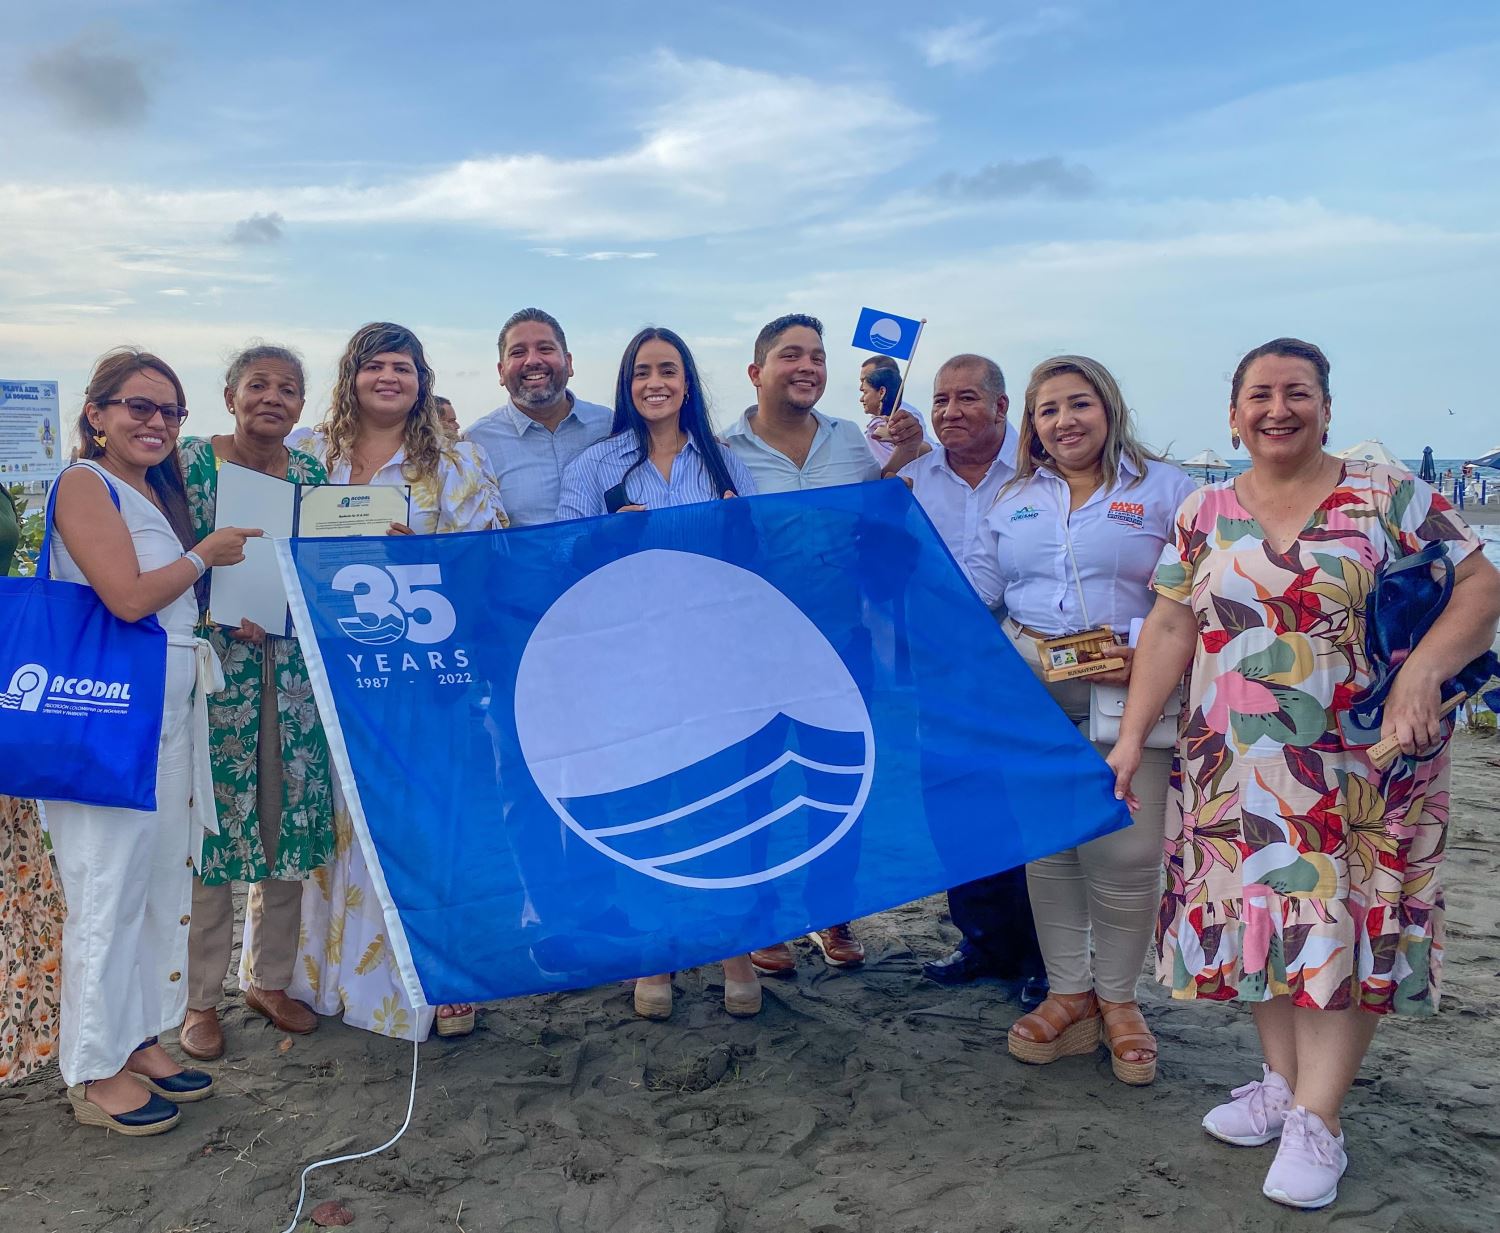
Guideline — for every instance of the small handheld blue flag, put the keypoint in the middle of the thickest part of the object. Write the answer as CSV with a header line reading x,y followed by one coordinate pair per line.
x,y
576,752
886,333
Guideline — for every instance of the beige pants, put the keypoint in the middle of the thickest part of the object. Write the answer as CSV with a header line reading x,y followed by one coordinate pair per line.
x,y
274,907
1102,895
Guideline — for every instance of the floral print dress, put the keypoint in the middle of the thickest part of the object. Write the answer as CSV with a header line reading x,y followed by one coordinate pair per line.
x,y
1294,867
31,920
345,961
306,835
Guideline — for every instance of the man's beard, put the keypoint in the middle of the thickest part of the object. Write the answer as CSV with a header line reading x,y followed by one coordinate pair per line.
x,y
535,396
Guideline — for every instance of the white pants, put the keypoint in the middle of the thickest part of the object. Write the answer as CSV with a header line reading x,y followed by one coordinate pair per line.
x,y
127,876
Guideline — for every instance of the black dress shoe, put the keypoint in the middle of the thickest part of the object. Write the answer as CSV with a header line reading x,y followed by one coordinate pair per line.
x,y
1034,992
959,968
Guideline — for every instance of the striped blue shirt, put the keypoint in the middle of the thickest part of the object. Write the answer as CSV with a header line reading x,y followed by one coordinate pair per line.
x,y
600,467
528,460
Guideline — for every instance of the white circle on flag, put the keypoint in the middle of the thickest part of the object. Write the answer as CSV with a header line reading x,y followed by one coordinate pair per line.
x,y
687,720
886,334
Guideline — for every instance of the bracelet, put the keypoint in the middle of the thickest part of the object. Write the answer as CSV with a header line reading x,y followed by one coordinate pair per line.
x,y
197,562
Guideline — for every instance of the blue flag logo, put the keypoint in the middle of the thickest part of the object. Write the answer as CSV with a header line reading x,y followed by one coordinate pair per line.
x,y
886,333
584,751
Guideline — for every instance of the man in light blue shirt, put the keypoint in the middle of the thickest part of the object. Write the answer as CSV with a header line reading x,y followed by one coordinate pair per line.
x,y
786,443
542,426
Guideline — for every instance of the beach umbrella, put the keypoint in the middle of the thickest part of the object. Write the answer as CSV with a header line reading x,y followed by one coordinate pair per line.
x,y
1491,459
1205,460
1371,451
1429,468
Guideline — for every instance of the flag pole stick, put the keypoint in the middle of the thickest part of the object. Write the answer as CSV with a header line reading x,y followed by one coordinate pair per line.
x,y
901,389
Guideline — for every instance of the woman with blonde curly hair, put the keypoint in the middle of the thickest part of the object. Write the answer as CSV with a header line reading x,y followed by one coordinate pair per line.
x,y
382,427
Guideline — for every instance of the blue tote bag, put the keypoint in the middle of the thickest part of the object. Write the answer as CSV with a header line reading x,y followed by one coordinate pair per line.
x,y
80,692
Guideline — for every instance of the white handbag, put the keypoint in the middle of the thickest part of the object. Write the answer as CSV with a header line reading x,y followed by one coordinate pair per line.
x,y
1107,708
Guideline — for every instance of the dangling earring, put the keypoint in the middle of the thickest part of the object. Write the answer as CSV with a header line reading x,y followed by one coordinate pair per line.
x,y
1234,440
100,438
1325,436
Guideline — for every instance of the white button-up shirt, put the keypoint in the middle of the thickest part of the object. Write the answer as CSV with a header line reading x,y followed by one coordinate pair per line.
x,y
956,510
839,455
590,476
1031,546
529,461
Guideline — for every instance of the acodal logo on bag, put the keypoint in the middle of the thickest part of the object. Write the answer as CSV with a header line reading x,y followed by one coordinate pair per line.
x,y
395,602
30,690
27,685
684,718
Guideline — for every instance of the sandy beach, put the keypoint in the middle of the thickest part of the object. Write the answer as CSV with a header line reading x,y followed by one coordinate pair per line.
x,y
870,1101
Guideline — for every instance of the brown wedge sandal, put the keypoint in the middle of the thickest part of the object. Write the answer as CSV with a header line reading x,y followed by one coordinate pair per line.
x,y
1125,1032
1064,1025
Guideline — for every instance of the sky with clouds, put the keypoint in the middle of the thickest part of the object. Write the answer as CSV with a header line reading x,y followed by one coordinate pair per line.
x,y
1159,186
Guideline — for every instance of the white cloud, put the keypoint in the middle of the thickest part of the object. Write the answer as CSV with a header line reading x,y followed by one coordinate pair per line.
x,y
971,45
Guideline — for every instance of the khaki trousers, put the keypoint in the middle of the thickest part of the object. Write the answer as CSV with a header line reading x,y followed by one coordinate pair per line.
x,y
1102,895
274,907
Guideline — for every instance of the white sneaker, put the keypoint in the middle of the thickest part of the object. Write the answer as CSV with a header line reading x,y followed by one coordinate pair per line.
x,y
1254,1115
1308,1163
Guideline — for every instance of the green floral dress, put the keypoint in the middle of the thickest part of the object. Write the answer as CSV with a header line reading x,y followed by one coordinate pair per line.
x,y
306,836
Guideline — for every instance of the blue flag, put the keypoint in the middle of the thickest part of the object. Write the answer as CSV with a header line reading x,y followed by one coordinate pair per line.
x,y
886,333
592,750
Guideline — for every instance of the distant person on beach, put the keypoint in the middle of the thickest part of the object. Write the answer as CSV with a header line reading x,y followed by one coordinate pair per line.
x,y
956,483
788,445
1301,878
1072,542
542,426
127,874
447,417
879,383
661,453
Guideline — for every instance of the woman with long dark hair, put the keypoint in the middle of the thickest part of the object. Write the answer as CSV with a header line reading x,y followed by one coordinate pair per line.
x,y
662,452
124,529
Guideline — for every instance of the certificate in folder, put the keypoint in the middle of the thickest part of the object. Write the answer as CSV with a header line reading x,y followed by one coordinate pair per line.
x,y
252,589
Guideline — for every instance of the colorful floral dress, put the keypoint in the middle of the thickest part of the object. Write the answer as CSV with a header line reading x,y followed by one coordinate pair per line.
x,y
1293,865
31,920
31,913
306,836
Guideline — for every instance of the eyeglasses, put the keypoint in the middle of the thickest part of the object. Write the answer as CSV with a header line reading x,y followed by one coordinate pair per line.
x,y
143,409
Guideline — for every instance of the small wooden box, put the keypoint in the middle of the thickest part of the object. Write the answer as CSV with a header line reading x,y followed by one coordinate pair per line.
x,y
1077,655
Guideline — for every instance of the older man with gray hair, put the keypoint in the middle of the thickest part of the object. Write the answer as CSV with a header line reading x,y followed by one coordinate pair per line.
x,y
956,483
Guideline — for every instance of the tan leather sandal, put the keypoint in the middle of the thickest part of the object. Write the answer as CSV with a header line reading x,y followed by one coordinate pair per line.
x,y
1064,1025
1125,1032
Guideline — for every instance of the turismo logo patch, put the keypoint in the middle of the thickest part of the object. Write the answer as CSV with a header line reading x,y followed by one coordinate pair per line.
x,y
1127,513
1025,513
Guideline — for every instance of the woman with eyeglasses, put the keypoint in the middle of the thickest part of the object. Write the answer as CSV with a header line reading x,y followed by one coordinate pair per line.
x,y
123,528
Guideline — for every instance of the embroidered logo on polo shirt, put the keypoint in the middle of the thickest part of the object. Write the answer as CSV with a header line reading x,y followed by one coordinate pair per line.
x,y
1025,513
1128,513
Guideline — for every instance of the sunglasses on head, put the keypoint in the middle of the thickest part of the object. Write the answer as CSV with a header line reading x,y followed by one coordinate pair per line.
x,y
143,409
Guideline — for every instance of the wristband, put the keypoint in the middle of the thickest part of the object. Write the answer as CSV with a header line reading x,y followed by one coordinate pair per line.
x,y
197,562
